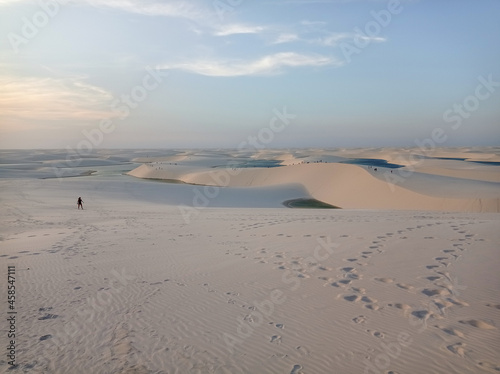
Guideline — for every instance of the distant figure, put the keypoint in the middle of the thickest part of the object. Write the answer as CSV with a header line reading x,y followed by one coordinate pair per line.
x,y
79,203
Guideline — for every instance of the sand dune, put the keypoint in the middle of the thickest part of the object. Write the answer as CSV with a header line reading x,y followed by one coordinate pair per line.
x,y
246,285
353,186
131,288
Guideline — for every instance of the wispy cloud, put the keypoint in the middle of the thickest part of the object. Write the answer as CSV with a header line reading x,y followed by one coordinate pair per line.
x,y
312,1
172,8
224,30
328,39
267,65
334,39
8,2
286,38
53,99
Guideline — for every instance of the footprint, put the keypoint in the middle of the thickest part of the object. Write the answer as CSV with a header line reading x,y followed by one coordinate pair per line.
x,y
452,331
497,306
45,337
405,286
435,292
296,369
352,298
276,339
457,348
384,280
343,282
367,299
327,279
433,278
360,290
442,304
353,276
303,350
359,319
479,324
401,306
48,316
490,366
422,314
376,334
348,269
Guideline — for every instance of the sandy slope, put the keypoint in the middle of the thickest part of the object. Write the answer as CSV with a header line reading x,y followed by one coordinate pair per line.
x,y
127,286
349,186
177,278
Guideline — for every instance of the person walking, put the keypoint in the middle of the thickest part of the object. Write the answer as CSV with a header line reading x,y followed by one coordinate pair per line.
x,y
79,203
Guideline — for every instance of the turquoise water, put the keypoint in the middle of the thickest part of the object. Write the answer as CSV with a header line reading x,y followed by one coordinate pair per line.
x,y
492,163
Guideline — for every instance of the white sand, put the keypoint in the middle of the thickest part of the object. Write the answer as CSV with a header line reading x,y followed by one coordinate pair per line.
x,y
427,184
147,280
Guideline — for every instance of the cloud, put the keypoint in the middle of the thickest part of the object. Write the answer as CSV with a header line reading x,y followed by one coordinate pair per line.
x,y
8,2
334,39
312,1
53,99
172,8
286,38
329,40
232,29
267,65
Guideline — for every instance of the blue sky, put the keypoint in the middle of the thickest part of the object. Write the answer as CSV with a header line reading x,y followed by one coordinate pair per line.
x,y
212,73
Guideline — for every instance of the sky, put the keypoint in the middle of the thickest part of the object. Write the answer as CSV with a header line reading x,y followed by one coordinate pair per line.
x,y
85,74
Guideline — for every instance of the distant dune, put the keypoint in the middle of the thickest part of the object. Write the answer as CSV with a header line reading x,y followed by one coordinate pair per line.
x,y
421,184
